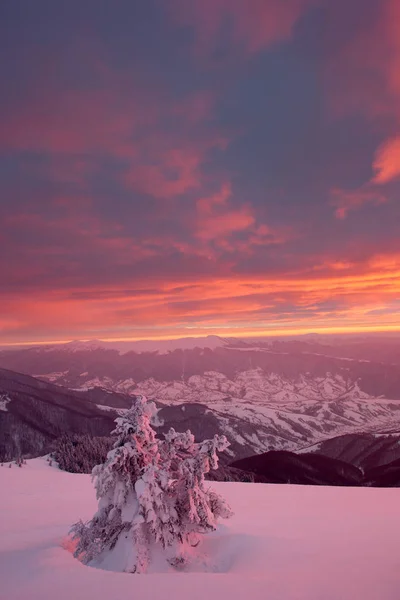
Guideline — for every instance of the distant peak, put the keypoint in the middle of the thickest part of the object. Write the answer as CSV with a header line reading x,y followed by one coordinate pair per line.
x,y
139,346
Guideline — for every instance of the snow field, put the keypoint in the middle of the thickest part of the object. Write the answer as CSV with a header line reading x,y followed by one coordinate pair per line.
x,y
284,543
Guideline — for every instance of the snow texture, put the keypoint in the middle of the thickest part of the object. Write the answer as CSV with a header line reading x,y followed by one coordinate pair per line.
x,y
263,410
4,400
283,543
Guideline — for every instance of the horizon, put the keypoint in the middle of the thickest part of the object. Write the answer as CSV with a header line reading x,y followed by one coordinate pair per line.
x,y
242,338
199,167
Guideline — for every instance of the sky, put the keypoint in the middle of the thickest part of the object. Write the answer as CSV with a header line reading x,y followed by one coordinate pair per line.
x,y
172,168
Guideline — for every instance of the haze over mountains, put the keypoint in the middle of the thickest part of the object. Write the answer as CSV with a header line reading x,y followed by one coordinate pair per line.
x,y
287,394
372,360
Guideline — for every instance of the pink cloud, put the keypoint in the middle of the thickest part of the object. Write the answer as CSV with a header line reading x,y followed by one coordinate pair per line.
x,y
363,76
169,165
254,24
216,220
196,107
207,204
175,173
216,227
120,119
346,201
387,161
75,122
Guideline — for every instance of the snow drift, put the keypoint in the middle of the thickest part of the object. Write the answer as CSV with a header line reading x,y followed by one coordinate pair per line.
x,y
283,543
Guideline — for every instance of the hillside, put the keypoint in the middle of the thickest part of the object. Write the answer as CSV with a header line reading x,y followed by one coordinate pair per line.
x,y
365,450
283,543
262,394
307,469
274,413
372,363
387,475
33,413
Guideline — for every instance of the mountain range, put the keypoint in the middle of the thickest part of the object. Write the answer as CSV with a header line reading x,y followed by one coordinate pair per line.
x,y
339,397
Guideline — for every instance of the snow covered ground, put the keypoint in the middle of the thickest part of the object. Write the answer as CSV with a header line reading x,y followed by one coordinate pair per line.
x,y
284,543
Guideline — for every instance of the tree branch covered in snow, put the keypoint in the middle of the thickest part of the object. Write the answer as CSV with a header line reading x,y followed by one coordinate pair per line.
x,y
152,496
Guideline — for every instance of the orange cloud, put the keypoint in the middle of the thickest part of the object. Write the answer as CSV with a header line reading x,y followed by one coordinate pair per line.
x,y
229,304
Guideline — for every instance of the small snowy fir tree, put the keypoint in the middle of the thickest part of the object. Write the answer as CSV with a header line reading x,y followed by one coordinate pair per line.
x,y
153,501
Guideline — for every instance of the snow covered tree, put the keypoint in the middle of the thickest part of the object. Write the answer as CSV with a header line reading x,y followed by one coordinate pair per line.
x,y
153,499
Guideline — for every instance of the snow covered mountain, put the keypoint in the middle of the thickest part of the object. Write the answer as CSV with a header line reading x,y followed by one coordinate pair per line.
x,y
264,411
373,364
274,413
282,395
304,413
122,347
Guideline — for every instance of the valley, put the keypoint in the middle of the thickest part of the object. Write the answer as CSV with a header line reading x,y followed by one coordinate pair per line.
x,y
274,396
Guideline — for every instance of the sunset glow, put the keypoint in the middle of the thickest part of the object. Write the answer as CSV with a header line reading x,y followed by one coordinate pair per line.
x,y
198,167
